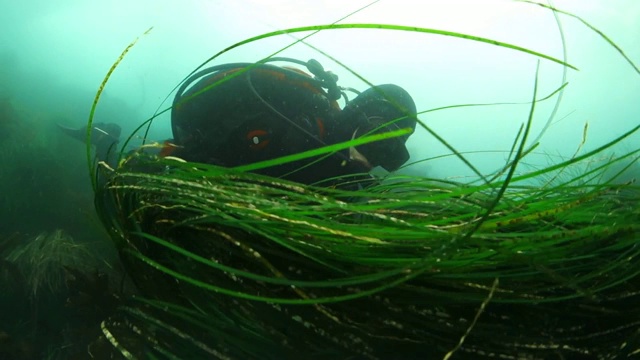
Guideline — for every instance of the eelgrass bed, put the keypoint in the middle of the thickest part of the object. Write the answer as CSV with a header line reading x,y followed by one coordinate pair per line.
x,y
246,266
234,265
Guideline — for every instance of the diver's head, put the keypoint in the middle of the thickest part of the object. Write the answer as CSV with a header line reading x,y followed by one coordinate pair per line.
x,y
382,108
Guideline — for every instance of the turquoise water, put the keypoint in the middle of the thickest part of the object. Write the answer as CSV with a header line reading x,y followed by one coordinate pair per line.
x,y
55,55
69,47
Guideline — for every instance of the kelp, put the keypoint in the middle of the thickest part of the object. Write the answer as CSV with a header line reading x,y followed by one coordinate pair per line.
x,y
236,265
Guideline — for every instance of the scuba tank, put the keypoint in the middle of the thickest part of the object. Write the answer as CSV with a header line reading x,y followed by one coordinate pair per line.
x,y
241,113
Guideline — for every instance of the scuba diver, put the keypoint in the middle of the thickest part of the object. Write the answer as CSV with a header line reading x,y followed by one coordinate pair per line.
x,y
242,113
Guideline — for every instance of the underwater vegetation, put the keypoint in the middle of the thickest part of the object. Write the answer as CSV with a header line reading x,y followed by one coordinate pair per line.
x,y
42,260
234,265
54,293
258,268
524,263
53,282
